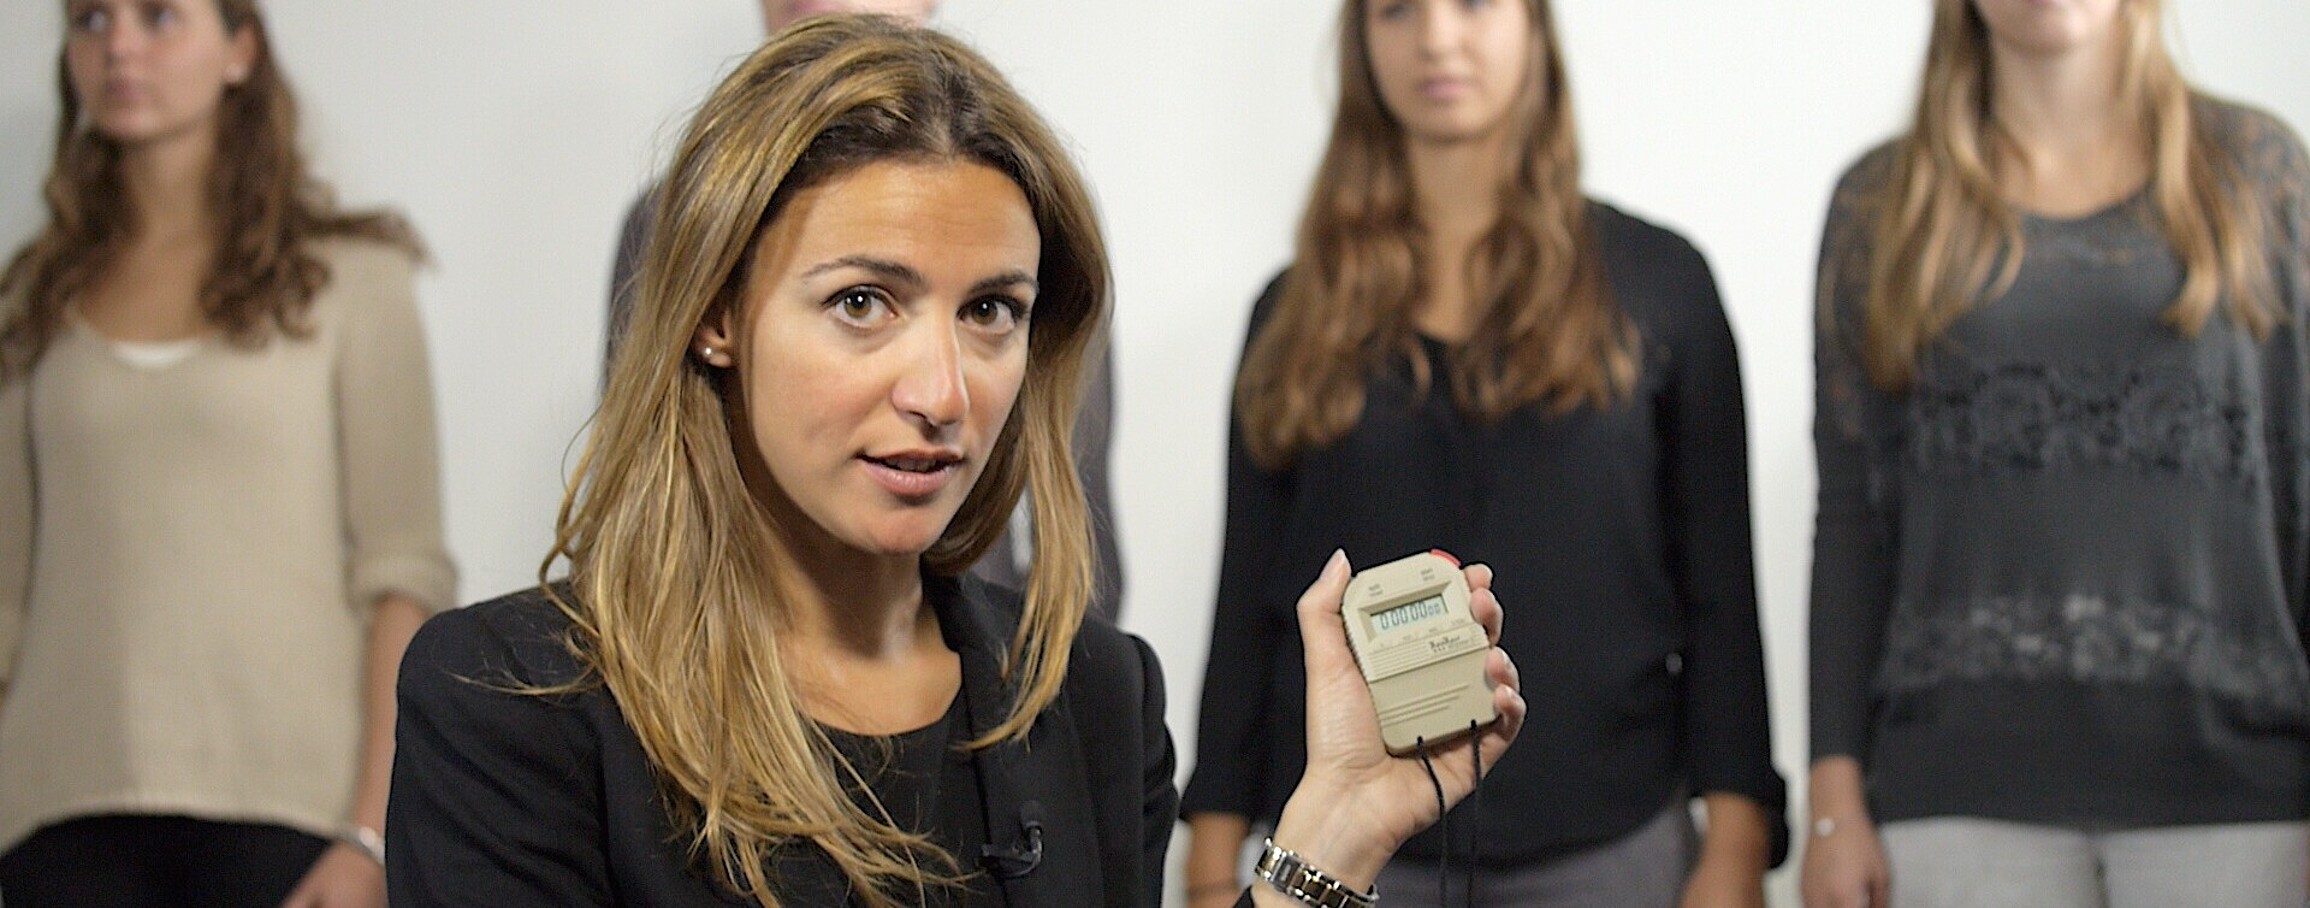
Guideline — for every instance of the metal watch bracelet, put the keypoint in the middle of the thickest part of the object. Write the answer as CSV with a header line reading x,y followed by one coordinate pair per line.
x,y
1294,877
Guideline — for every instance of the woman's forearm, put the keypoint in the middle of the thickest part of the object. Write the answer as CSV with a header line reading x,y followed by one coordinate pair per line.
x,y
1738,833
1734,853
395,621
1834,790
1214,847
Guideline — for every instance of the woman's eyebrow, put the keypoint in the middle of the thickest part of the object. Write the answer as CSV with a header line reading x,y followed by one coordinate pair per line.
x,y
905,275
883,268
1006,280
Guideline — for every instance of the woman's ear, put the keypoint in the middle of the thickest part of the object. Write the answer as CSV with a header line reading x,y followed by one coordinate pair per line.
x,y
245,47
713,344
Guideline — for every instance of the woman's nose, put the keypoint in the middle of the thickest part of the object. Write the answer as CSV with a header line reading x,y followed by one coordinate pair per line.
x,y
122,37
930,385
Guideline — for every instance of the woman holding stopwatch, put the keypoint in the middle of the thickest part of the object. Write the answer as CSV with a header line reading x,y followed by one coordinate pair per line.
x,y
1469,354
859,334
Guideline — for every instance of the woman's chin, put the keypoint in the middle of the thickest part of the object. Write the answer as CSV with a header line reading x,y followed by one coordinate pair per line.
x,y
904,540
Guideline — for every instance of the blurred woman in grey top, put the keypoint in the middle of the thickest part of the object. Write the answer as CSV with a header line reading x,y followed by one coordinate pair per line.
x,y
1006,563
2059,562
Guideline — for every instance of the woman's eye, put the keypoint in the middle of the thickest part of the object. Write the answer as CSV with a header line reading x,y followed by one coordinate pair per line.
x,y
159,14
92,20
994,313
860,306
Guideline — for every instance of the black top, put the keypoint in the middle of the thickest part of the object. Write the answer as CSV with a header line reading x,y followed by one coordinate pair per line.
x,y
1620,538
923,782
510,800
2060,579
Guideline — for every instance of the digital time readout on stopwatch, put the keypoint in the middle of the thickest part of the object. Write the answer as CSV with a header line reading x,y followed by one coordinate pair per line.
x,y
1409,614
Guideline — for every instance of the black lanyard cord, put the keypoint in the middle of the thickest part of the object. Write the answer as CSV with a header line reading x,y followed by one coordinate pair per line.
x,y
1443,825
1475,808
1444,819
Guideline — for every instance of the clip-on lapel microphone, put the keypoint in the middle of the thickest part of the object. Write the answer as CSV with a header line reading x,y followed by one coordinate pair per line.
x,y
1022,855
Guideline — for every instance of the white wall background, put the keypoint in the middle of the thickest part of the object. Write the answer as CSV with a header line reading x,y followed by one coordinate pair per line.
x,y
515,132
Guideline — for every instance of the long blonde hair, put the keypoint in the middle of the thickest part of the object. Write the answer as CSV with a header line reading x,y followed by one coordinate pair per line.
x,y
263,204
1547,326
680,576
1945,239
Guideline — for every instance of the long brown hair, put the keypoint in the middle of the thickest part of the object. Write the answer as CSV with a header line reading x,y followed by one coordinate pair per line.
x,y
1945,240
1547,327
680,576
263,206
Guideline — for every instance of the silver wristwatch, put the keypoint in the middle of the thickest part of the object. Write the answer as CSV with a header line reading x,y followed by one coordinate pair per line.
x,y
1293,877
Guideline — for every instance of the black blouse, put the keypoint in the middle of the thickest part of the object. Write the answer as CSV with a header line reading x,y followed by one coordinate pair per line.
x,y
1621,542
503,799
923,782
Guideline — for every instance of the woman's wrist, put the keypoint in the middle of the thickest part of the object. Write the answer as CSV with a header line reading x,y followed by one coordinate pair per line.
x,y
1739,834
1834,789
1332,834
368,839
1214,854
1286,872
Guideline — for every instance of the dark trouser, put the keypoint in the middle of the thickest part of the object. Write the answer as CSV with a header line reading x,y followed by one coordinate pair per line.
x,y
156,861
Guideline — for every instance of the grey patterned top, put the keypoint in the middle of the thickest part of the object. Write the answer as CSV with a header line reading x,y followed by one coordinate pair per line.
x,y
2060,580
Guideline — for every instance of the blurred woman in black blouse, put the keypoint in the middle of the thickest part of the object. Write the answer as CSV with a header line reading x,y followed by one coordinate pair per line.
x,y
1469,354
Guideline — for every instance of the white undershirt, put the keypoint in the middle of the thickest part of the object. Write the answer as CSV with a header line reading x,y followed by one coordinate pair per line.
x,y
154,355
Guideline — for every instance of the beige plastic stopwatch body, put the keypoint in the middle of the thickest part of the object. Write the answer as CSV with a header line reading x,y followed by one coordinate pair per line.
x,y
1420,648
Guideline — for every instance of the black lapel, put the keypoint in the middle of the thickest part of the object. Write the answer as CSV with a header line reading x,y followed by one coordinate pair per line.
x,y
1047,769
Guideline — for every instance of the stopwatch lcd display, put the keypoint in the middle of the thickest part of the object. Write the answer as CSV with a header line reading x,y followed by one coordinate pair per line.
x,y
1406,615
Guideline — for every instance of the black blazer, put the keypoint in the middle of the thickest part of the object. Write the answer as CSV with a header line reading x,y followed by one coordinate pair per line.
x,y
506,800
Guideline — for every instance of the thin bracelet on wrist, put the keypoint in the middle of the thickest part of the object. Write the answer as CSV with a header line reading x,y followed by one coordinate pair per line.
x,y
1824,827
369,840
1293,876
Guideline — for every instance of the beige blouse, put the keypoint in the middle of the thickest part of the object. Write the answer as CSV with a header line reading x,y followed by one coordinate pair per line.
x,y
189,553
